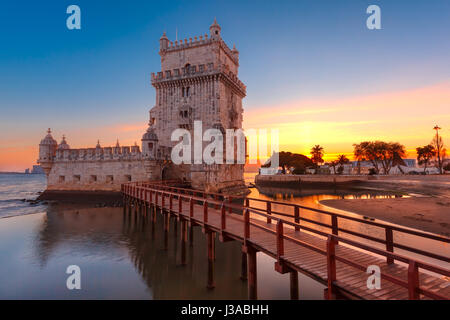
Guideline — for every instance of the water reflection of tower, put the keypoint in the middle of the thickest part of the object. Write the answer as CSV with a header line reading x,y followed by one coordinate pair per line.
x,y
106,232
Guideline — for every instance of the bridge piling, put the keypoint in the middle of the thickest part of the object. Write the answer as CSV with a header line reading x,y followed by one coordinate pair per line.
x,y
166,230
244,266
210,240
175,227
191,235
183,241
293,280
252,279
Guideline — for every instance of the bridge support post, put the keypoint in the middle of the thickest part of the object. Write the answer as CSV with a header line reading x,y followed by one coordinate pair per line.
x,y
244,266
183,241
166,230
191,235
175,227
210,240
293,276
252,279
153,231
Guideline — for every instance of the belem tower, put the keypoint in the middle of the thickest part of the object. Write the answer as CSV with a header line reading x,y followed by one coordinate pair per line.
x,y
198,81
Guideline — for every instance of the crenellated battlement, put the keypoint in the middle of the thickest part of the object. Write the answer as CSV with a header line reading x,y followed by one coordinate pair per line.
x,y
99,154
200,41
192,72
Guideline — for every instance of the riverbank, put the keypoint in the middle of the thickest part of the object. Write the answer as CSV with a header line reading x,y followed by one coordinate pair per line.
x,y
308,180
94,198
429,185
431,214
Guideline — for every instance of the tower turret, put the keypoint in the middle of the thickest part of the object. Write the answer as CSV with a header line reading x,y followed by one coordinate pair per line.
x,y
235,52
47,151
149,143
214,30
163,42
63,145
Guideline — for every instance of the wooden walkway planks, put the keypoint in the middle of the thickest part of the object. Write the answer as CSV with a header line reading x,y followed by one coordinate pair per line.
x,y
309,259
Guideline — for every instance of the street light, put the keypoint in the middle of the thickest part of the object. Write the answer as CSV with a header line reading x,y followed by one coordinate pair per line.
x,y
438,147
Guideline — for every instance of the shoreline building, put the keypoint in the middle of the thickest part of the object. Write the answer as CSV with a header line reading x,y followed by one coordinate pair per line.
x,y
198,81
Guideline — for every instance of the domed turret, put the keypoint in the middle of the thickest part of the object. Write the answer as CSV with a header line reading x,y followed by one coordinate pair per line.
x,y
47,151
149,143
163,42
235,52
63,145
214,30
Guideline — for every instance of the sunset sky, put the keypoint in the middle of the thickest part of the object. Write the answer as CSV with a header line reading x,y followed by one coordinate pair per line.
x,y
312,69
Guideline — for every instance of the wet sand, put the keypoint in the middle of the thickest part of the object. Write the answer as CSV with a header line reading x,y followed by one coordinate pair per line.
x,y
430,214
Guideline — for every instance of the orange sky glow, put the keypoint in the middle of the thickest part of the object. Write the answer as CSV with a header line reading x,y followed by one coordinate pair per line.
x,y
405,116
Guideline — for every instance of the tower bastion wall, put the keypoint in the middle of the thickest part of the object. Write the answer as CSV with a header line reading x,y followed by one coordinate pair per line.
x,y
96,169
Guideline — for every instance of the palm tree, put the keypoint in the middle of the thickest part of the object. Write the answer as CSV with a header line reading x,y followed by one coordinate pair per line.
x,y
424,155
341,160
358,153
333,164
317,155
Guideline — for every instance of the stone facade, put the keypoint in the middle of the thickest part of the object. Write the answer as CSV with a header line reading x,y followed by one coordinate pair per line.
x,y
198,81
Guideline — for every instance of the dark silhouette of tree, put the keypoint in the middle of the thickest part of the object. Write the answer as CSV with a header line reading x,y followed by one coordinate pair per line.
x,y
341,160
288,160
380,153
333,164
317,156
359,155
424,155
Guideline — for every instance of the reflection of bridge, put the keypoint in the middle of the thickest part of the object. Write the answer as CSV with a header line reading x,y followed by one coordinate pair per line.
x,y
301,244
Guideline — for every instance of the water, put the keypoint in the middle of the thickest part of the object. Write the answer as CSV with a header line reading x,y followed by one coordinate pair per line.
x,y
311,198
15,188
119,257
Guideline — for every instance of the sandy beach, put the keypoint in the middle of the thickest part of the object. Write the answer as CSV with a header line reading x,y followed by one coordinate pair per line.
x,y
430,214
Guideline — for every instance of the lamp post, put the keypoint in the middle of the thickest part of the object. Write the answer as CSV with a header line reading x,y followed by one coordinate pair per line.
x,y
438,148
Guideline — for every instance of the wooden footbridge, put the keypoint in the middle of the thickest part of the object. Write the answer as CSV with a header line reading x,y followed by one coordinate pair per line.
x,y
323,249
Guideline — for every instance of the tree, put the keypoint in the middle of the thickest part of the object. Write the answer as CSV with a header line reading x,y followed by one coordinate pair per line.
x,y
380,153
359,155
317,156
424,155
288,160
333,164
341,160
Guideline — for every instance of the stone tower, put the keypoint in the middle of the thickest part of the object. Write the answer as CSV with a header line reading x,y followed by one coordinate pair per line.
x,y
199,81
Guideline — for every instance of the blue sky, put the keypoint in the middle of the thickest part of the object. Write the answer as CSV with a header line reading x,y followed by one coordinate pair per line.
x,y
289,50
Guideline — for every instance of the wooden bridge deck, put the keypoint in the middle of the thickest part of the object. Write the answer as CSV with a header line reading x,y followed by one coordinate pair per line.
x,y
339,263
